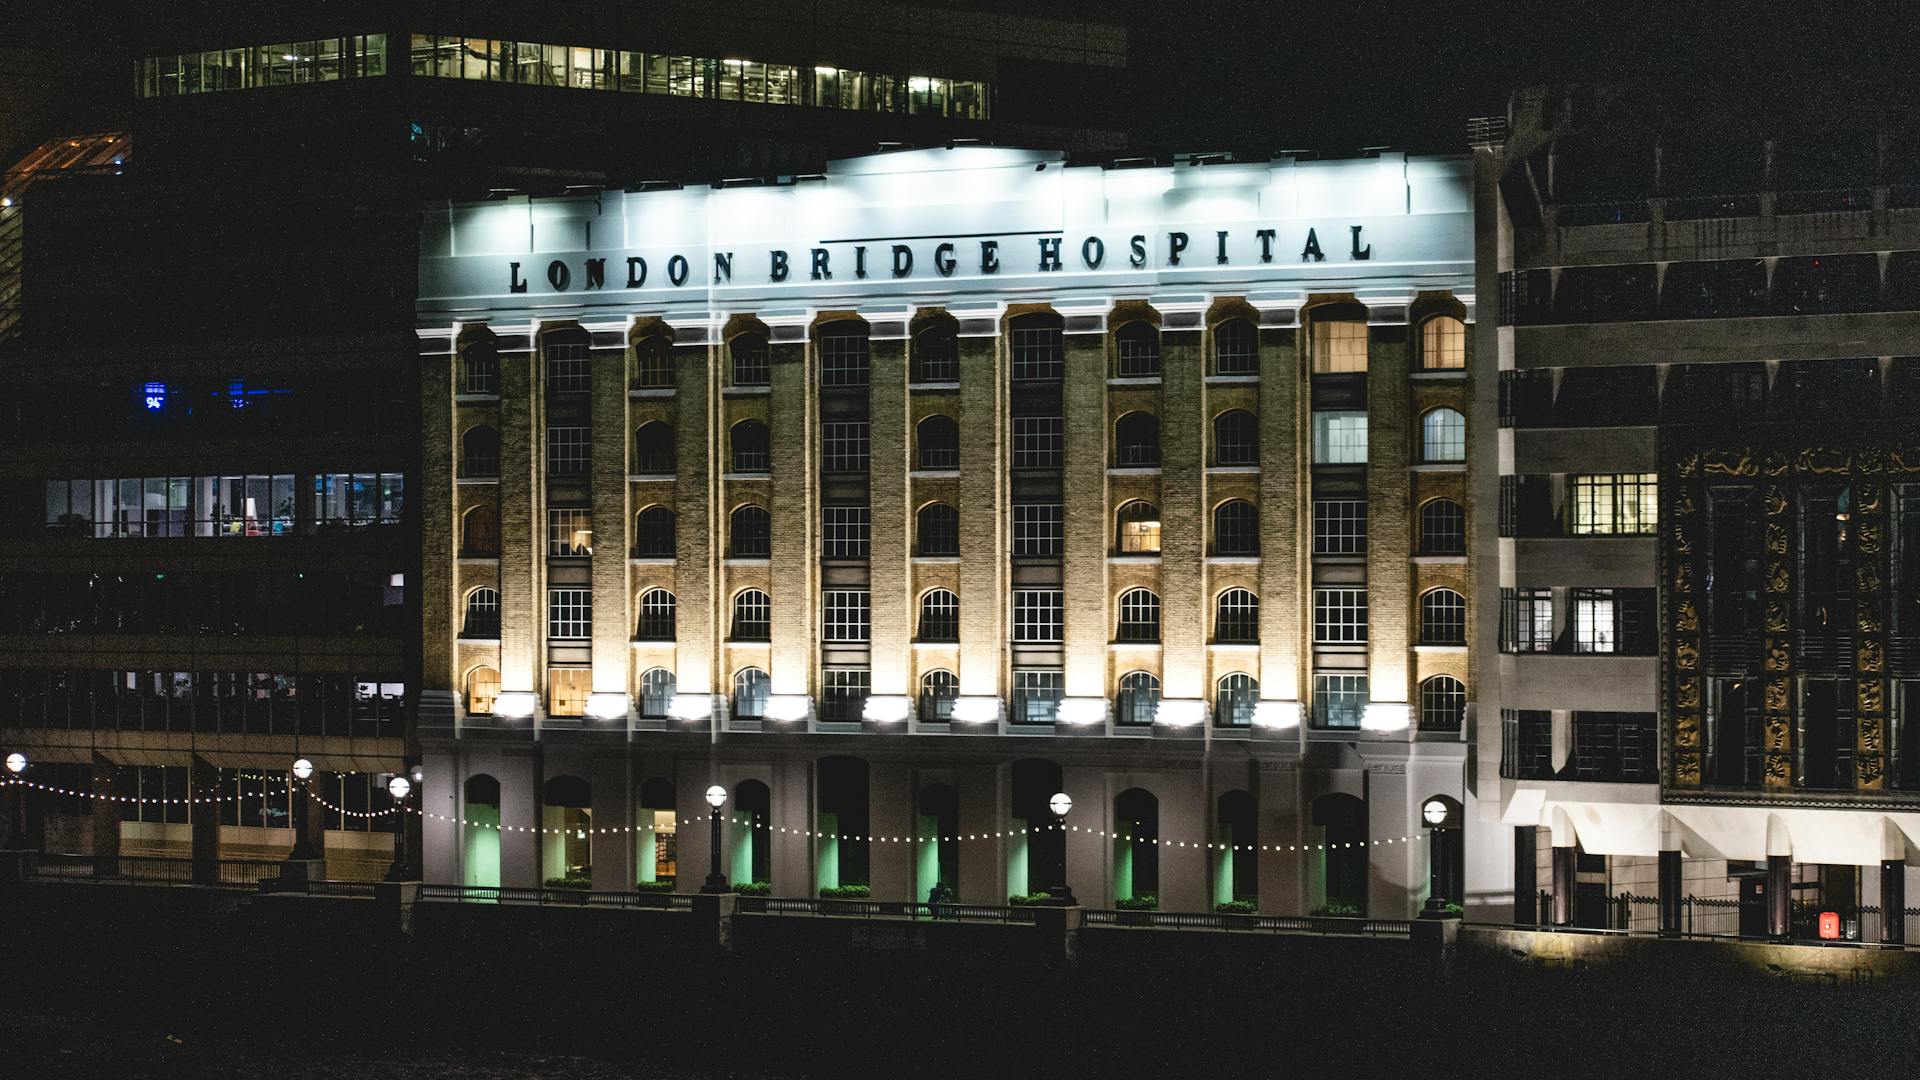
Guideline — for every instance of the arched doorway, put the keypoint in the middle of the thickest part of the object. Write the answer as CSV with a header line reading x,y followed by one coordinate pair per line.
x,y
1036,854
1136,848
566,847
1341,821
752,818
656,865
936,849
481,833
843,817
1236,868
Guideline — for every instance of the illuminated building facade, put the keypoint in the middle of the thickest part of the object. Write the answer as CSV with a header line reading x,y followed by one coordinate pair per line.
x,y
898,499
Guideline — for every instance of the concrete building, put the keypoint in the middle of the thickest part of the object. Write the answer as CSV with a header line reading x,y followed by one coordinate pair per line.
x,y
897,499
1696,420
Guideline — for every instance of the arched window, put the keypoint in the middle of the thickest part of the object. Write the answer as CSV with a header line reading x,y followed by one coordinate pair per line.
x,y
749,355
750,532
1138,699
656,616
750,689
938,690
1236,528
1236,438
1443,704
938,529
939,439
480,369
480,453
1136,441
1236,619
1139,616
653,363
1137,351
1138,528
843,353
1236,348
1235,697
480,532
1036,347
1443,528
752,615
1443,344
653,448
483,686
653,533
939,616
656,693
483,615
1443,436
936,355
1443,618
752,451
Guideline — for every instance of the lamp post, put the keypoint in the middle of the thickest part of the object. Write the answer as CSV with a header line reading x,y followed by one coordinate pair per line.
x,y
1435,813
16,771
302,809
716,881
399,787
1061,804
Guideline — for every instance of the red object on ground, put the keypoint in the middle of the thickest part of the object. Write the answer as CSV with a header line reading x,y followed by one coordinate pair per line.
x,y
1830,925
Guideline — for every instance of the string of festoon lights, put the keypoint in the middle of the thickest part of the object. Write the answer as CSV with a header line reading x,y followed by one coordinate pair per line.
x,y
139,799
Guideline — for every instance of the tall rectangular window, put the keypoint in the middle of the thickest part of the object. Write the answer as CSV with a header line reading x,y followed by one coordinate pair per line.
x,y
569,614
847,614
1340,616
843,694
1526,620
1038,529
569,450
845,446
1037,615
1339,701
846,531
1037,442
1037,353
1526,744
1339,527
1339,347
569,368
1036,696
1594,621
569,532
1615,504
1340,438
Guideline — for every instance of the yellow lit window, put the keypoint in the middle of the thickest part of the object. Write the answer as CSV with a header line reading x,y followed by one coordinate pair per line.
x,y
1339,347
1443,344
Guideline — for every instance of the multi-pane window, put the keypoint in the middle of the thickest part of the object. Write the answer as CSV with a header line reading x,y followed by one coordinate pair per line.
x,y
1236,348
1443,618
1339,526
1236,618
1037,442
937,530
1443,528
1235,697
1139,528
569,450
936,356
1443,344
1443,704
1339,701
569,614
653,364
480,452
1340,616
1340,438
1615,504
1136,441
1526,620
847,614
1139,616
939,439
1137,346
1037,349
480,370
1615,746
1038,529
1526,744
1036,696
657,687
752,615
749,353
570,533
568,368
751,688
1339,347
843,694
940,616
1236,438
1037,615
843,356
653,449
1594,621
656,616
751,446
846,532
483,615
1236,528
1443,437
750,533
845,446
1138,699
938,691
654,533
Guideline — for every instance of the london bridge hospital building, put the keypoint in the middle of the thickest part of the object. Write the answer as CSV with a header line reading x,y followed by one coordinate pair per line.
x,y
895,501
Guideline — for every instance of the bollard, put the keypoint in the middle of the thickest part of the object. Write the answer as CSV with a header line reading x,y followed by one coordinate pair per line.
x,y
717,910
1059,925
1438,937
394,900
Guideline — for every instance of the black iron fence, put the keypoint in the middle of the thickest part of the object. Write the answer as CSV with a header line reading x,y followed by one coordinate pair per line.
x,y
496,894
1271,924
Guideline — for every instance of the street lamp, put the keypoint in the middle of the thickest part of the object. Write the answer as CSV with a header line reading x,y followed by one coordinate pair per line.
x,y
303,848
1436,813
716,881
302,769
17,832
399,787
1061,804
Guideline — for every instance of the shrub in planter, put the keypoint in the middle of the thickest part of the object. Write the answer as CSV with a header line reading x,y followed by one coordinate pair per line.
x,y
1237,907
1337,909
754,888
1143,902
571,881
660,885
1455,910
1032,899
846,892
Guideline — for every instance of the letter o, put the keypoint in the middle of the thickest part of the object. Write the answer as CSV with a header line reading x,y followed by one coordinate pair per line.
x,y
559,276
677,269
1093,252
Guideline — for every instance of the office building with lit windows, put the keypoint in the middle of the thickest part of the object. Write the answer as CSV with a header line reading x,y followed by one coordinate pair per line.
x,y
897,499
1696,417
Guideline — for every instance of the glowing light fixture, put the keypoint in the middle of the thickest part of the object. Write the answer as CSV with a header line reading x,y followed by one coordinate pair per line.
x,y
786,707
1060,804
887,708
302,769
399,787
716,796
515,704
1083,711
1386,716
1435,812
606,706
1276,715
690,706
16,763
1180,712
974,709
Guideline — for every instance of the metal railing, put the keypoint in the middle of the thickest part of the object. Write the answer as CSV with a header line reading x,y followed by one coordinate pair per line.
x,y
497,894
884,909
157,869
1271,924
